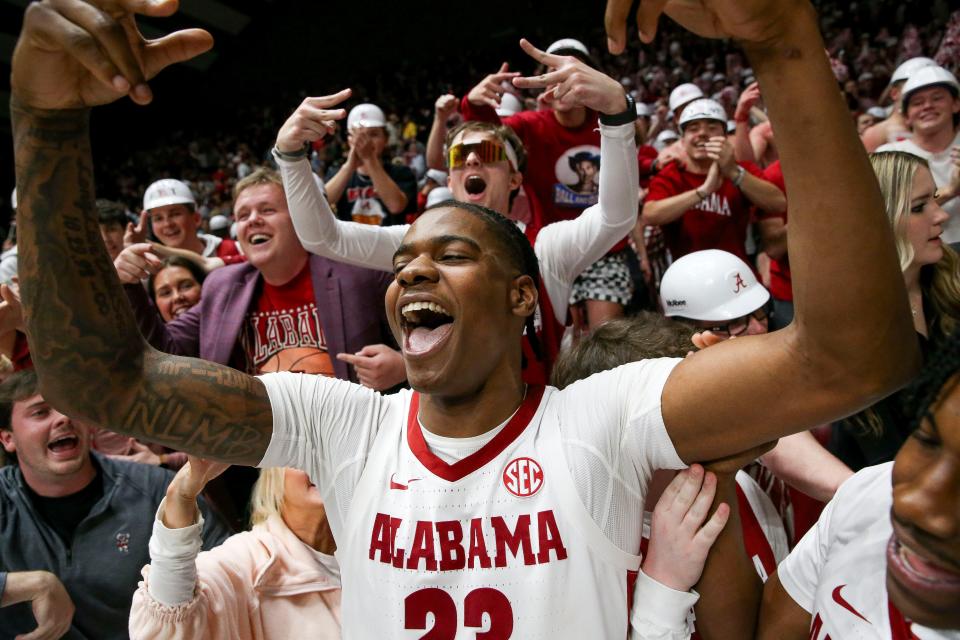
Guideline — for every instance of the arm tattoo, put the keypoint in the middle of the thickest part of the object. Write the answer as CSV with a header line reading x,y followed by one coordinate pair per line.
x,y
89,355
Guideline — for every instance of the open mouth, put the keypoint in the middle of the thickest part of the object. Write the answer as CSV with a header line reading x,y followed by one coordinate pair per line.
x,y
64,445
918,570
259,238
179,311
425,326
474,185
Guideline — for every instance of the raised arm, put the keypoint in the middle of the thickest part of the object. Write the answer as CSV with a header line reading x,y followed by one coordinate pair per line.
x,y
92,362
319,230
567,248
445,106
848,290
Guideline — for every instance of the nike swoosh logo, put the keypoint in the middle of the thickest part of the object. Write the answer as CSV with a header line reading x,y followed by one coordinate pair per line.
x,y
398,486
846,605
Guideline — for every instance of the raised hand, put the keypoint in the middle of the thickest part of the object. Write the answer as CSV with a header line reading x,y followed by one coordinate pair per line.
x,y
11,311
76,53
445,106
755,21
952,189
572,82
720,151
312,120
681,534
488,92
135,234
746,102
180,509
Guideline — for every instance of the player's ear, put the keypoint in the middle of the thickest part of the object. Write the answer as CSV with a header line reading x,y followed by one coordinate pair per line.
x,y
523,296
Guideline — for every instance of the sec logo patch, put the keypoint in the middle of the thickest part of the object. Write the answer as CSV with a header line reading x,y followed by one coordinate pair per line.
x,y
523,477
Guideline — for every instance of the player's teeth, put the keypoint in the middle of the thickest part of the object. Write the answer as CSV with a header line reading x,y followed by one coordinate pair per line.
x,y
420,306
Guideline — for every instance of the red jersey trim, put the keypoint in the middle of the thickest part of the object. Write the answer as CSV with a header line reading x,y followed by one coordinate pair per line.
x,y
463,468
899,627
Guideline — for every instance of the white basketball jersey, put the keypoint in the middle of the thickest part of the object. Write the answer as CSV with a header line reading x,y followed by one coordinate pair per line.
x,y
528,531
497,545
837,571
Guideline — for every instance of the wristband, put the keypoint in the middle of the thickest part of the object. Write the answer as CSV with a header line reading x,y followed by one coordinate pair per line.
x,y
739,179
292,156
624,117
697,191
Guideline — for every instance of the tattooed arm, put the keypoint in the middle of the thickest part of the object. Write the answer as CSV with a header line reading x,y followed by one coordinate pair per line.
x,y
92,362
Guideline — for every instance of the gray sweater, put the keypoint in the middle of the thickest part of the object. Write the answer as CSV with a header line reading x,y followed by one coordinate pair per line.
x,y
102,567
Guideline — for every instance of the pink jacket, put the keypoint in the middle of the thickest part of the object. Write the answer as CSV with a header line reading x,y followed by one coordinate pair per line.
x,y
258,585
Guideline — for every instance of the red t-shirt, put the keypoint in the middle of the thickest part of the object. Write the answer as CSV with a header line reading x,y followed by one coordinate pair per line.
x,y
781,286
229,252
283,331
719,222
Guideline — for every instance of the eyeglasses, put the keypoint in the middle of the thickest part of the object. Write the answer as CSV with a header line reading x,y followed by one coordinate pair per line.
x,y
488,151
739,326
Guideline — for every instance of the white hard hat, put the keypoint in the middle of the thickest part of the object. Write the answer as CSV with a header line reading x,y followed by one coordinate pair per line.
x,y
438,176
167,191
683,94
219,222
664,139
929,77
911,66
438,194
644,110
878,112
509,105
366,115
13,199
703,109
568,44
711,285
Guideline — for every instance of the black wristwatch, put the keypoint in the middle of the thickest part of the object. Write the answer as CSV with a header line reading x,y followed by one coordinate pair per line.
x,y
294,156
625,117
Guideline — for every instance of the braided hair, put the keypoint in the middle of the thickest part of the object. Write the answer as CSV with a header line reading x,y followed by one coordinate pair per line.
x,y
518,248
934,380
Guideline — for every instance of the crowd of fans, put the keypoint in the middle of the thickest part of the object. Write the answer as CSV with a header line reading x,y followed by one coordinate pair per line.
x,y
681,249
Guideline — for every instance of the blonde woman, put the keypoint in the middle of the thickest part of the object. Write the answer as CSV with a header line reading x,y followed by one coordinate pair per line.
x,y
931,271
278,580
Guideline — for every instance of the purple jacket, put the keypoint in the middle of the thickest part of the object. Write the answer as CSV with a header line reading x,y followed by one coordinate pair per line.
x,y
349,302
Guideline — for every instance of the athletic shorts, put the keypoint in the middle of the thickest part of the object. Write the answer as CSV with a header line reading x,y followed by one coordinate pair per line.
x,y
607,279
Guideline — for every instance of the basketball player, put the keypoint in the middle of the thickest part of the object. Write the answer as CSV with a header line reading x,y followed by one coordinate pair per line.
x,y
474,503
881,563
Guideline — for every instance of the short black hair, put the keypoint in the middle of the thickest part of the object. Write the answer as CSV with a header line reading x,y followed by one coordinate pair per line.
x,y
518,248
934,380
110,212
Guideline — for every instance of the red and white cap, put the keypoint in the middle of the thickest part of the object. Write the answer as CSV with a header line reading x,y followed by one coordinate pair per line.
x,y
703,109
908,68
684,94
711,285
929,77
365,116
167,191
